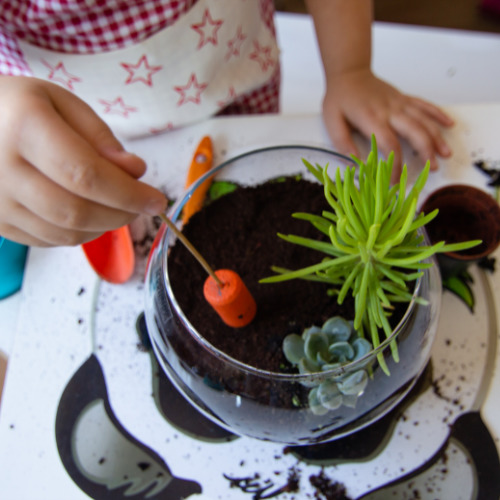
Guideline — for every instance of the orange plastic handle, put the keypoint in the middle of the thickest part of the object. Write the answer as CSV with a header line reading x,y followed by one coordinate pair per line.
x,y
200,165
233,302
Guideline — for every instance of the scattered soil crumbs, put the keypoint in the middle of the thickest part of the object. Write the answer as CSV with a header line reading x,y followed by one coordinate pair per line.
x,y
260,488
144,230
326,488
265,488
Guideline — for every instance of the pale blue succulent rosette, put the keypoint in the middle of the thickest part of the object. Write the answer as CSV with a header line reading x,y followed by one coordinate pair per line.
x,y
12,262
331,346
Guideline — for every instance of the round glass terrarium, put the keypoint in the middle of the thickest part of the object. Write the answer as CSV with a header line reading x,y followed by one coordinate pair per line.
x,y
282,405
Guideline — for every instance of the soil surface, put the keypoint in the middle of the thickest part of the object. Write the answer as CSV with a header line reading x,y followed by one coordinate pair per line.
x,y
239,232
453,225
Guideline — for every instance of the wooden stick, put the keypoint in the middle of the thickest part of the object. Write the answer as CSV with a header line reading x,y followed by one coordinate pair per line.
x,y
191,248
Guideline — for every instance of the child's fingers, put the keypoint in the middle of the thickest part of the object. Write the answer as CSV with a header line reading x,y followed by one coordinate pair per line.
x,y
64,177
58,206
18,235
420,118
434,112
340,133
387,140
417,136
26,227
70,161
84,121
129,162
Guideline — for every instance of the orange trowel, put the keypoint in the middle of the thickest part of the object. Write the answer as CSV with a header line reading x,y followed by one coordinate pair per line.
x,y
111,255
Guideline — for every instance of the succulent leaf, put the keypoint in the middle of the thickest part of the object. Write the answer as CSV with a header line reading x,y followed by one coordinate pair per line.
x,y
337,328
316,343
353,384
361,348
329,347
306,366
349,401
329,395
293,348
343,351
315,404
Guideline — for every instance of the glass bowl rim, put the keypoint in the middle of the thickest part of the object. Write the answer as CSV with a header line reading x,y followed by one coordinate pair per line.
x,y
174,214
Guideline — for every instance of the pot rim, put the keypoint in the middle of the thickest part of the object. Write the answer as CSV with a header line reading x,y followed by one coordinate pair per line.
x,y
452,190
174,215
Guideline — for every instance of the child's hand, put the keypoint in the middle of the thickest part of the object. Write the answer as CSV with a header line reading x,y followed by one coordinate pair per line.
x,y
360,101
64,177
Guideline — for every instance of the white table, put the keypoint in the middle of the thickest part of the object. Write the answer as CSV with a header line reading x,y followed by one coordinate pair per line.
x,y
48,344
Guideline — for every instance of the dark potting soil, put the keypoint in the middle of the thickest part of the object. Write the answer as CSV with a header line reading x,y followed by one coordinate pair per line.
x,y
453,225
239,231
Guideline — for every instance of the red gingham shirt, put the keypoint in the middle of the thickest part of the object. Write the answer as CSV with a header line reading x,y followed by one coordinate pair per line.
x,y
83,27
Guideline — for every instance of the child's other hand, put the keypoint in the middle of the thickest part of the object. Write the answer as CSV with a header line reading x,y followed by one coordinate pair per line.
x,y
360,101
64,177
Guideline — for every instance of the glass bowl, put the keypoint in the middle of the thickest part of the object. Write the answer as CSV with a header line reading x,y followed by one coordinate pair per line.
x,y
272,405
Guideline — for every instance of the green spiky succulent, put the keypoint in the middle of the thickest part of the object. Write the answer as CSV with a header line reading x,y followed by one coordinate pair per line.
x,y
333,345
376,247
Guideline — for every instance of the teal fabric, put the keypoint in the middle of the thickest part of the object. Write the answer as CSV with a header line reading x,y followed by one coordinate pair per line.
x,y
12,261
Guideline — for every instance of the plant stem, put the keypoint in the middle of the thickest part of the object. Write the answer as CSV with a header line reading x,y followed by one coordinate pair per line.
x,y
192,249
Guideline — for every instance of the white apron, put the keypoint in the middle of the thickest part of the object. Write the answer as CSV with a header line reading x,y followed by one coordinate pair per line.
x,y
217,51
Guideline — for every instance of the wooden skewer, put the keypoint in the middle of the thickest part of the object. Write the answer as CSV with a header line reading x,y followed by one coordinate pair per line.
x,y
224,290
192,249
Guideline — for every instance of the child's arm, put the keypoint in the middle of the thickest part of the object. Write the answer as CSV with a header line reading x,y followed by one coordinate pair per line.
x,y
356,99
64,177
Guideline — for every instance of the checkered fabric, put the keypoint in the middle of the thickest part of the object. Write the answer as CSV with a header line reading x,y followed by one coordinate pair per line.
x,y
84,27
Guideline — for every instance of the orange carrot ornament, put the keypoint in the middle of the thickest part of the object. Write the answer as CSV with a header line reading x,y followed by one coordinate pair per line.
x,y
232,301
224,290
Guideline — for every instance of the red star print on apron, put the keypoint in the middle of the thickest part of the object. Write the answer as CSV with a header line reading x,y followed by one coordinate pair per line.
x,y
217,51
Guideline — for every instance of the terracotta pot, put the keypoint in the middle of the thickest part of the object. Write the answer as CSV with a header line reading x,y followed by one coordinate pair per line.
x,y
465,213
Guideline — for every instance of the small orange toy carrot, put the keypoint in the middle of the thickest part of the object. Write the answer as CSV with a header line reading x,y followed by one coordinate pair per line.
x,y
200,165
232,301
224,290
